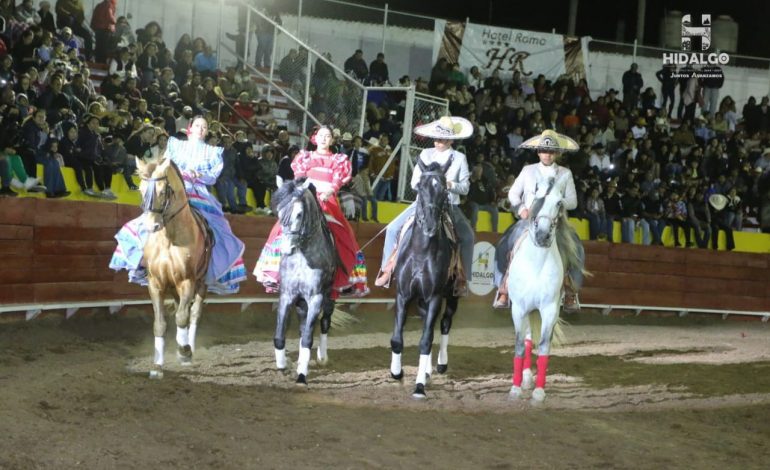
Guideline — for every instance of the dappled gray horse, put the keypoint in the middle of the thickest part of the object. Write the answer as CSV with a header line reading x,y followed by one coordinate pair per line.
x,y
308,264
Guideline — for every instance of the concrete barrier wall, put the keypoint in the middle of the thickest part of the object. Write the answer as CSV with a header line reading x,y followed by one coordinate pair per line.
x,y
58,251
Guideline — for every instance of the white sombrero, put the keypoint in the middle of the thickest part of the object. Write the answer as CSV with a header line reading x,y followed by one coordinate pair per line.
x,y
718,201
551,141
446,128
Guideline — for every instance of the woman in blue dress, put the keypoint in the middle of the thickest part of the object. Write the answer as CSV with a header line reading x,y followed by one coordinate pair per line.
x,y
200,165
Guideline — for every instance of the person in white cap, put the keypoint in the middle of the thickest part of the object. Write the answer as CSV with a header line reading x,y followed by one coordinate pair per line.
x,y
444,132
549,146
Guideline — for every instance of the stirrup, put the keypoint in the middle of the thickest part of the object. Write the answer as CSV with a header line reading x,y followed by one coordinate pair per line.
x,y
383,279
571,302
460,289
501,301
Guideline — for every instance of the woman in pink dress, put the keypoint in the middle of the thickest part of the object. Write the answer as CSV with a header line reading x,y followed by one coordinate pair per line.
x,y
328,172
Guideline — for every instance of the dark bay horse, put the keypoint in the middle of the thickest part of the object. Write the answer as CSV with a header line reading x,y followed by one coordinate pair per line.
x,y
309,262
176,254
422,272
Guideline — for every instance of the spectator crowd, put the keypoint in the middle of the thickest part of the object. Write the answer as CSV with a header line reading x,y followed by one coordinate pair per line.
x,y
702,169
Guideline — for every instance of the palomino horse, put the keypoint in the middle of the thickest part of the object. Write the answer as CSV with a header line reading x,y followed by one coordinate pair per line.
x,y
535,279
309,262
177,254
422,272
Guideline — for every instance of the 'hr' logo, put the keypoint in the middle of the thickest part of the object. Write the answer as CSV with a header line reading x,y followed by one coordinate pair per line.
x,y
690,32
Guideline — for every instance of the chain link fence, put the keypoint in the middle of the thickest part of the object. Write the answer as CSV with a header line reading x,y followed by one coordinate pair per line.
x,y
424,109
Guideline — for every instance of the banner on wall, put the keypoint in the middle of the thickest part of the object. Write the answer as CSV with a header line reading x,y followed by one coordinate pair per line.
x,y
505,50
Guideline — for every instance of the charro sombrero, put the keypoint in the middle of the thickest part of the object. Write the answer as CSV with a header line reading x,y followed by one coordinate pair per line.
x,y
446,128
550,141
718,201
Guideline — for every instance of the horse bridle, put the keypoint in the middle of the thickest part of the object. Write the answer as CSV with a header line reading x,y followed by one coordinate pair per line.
x,y
148,204
551,229
434,173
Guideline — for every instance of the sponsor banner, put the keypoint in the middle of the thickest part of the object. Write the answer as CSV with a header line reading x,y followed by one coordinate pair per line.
x,y
482,279
508,50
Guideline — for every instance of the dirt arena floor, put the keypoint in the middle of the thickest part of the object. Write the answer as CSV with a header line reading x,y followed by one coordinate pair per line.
x,y
623,392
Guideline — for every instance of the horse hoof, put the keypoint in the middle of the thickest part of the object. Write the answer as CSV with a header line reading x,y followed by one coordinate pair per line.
x,y
515,393
398,376
526,381
322,361
301,379
156,374
538,396
419,392
441,368
184,355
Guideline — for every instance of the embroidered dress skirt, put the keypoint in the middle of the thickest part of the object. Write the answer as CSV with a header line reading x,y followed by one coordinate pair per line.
x,y
352,284
226,269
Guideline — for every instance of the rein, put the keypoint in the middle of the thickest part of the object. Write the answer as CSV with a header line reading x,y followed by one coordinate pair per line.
x,y
148,203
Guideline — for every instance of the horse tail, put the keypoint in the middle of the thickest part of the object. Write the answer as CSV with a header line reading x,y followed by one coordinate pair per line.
x,y
558,337
568,249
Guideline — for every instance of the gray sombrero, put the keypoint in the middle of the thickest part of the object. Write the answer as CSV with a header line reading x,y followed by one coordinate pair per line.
x,y
550,141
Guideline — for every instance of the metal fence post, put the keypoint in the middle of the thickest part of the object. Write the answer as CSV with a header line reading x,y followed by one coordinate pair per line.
x,y
634,54
219,33
406,146
307,95
299,17
247,36
363,114
272,64
384,27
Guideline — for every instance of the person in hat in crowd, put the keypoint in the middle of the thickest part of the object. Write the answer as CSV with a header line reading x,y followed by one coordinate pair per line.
x,y
327,172
719,218
600,161
378,158
444,132
200,164
549,146
184,119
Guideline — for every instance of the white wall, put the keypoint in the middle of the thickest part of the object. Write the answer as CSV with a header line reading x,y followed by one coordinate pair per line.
x,y
407,51
606,71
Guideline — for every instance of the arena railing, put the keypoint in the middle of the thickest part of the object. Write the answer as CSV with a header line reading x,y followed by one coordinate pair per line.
x,y
33,310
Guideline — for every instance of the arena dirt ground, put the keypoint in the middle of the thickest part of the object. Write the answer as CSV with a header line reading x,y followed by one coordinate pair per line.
x,y
623,392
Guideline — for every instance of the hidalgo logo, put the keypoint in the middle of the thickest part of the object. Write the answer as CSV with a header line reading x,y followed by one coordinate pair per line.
x,y
696,35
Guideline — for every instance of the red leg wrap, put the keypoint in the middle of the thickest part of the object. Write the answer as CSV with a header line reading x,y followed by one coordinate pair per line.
x,y
528,354
542,367
517,370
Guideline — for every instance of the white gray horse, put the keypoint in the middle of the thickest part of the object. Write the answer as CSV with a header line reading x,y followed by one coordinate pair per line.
x,y
535,279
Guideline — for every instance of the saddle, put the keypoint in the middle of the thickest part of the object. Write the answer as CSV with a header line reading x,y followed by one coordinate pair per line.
x,y
456,269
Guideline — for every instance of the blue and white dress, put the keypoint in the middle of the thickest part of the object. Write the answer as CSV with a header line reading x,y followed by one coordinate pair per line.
x,y
226,268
